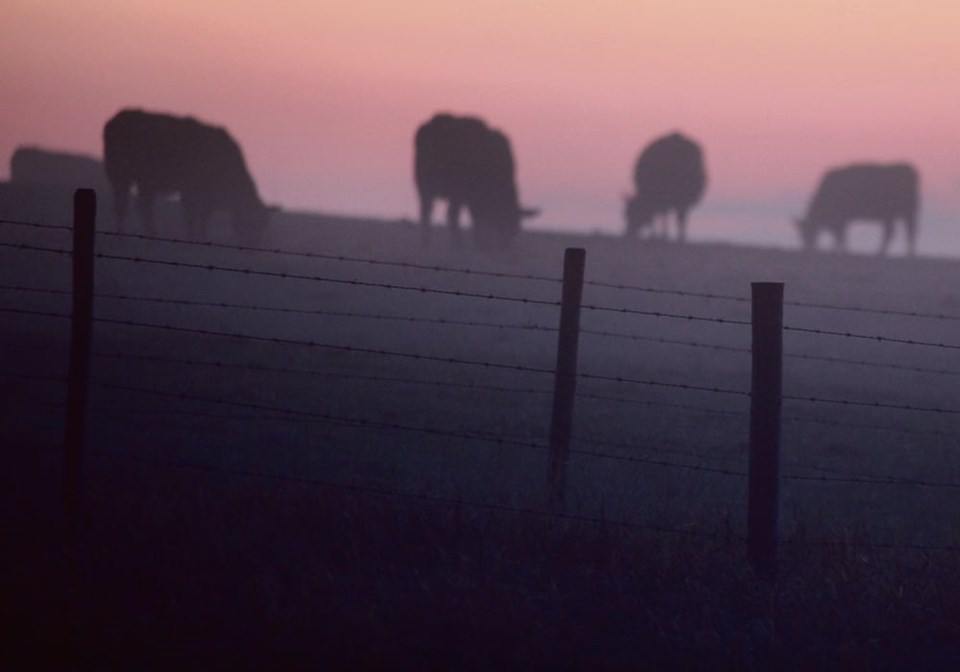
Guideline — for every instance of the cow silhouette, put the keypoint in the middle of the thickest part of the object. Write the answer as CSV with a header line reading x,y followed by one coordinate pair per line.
x,y
36,166
471,165
669,176
885,193
161,154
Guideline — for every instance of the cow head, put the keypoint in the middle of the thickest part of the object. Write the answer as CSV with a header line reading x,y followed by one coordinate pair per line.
x,y
496,224
639,214
251,222
516,217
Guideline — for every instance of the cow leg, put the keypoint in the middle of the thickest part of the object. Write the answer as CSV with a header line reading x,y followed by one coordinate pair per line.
x,y
195,214
196,219
453,220
840,235
682,225
887,236
145,198
426,215
121,196
910,225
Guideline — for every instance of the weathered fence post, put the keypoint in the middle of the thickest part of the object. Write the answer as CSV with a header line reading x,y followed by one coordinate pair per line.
x,y
84,217
765,403
565,381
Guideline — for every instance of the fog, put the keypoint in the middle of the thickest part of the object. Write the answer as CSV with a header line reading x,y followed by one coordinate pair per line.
x,y
378,314
367,361
319,427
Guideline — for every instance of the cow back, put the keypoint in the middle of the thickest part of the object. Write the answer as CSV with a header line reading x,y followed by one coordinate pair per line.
x,y
169,154
866,191
461,158
670,172
38,166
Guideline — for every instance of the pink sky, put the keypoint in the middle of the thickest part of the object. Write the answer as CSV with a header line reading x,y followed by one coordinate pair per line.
x,y
325,96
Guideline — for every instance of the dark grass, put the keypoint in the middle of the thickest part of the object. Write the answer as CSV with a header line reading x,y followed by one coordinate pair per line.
x,y
172,568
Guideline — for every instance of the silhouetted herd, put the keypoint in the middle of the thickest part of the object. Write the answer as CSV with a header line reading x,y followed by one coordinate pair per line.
x,y
457,159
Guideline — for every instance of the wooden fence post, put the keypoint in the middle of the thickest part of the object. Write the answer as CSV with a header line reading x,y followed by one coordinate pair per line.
x,y
765,404
565,381
84,218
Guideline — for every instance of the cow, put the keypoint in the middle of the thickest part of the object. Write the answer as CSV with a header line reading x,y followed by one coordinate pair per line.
x,y
669,176
36,166
471,165
161,154
885,193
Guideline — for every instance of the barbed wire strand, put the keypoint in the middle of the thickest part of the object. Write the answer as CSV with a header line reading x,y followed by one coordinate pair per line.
x,y
497,297
688,531
848,476
495,388
391,353
498,439
376,424
872,404
307,255
490,296
871,337
341,258
286,310
881,428
35,224
636,445
218,364
798,304
36,248
786,418
726,536
498,274
486,364
787,355
474,323
285,275
663,314
290,341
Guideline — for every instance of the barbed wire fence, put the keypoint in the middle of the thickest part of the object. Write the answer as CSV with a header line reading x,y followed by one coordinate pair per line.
x,y
695,461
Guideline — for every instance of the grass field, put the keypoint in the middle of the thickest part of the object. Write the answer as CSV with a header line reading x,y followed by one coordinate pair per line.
x,y
256,499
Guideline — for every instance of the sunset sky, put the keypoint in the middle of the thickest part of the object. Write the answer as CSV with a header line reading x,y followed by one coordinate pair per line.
x,y
324,97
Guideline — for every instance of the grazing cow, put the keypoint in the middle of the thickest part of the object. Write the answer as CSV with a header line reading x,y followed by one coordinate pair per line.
x,y
669,176
164,154
35,166
462,160
879,192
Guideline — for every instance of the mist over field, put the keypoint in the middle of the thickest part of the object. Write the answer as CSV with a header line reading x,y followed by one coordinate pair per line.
x,y
323,428
394,309
300,389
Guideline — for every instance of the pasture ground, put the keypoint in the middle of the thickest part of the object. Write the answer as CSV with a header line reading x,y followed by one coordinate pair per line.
x,y
241,506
